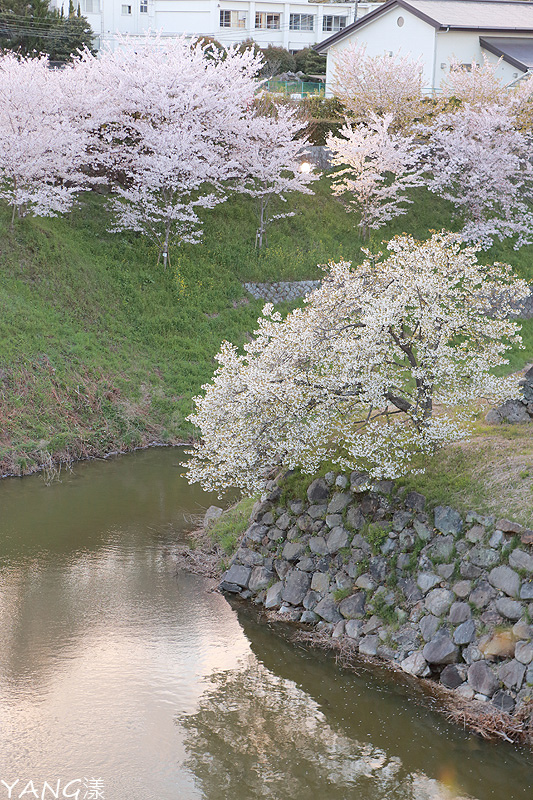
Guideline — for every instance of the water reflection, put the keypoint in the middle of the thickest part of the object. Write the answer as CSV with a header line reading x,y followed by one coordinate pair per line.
x,y
258,735
291,724
142,492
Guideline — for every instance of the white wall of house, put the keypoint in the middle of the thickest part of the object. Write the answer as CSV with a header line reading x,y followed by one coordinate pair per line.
x,y
292,25
397,30
464,47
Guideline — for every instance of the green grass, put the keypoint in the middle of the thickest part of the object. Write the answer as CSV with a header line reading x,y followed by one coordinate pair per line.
x,y
375,535
228,529
100,349
341,594
385,612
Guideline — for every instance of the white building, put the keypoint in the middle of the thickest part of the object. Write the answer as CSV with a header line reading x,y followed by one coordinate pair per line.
x,y
439,30
291,25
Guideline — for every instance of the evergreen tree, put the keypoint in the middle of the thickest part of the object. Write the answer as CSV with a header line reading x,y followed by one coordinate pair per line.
x,y
30,27
277,60
310,62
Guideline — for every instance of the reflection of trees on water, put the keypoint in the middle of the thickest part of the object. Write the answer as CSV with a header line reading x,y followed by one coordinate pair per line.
x,y
256,735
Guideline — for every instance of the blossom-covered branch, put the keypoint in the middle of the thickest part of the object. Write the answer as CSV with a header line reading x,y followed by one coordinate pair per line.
x,y
481,163
380,84
381,363
478,85
270,156
164,118
41,149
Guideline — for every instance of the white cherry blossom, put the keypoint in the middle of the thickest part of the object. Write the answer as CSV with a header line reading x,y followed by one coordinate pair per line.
x,y
41,149
383,361
481,163
380,84
269,156
163,116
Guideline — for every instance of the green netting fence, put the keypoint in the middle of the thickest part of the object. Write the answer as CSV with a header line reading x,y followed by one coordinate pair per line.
x,y
301,88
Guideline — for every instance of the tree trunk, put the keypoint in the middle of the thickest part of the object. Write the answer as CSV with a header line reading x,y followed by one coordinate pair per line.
x,y
164,252
261,230
14,205
425,401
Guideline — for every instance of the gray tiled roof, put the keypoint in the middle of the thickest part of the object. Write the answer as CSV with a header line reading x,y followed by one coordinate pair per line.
x,y
505,16
515,50
477,14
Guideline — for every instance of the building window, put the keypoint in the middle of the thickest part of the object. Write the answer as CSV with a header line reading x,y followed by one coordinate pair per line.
x,y
333,24
92,6
265,20
301,22
126,11
143,8
232,19
455,66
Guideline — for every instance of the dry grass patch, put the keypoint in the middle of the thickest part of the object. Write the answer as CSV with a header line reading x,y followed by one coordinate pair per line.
x,y
490,473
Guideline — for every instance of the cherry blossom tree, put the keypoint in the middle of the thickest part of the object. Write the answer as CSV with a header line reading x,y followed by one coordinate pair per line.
x,y
40,148
478,85
481,163
270,159
521,104
383,361
377,169
379,84
164,119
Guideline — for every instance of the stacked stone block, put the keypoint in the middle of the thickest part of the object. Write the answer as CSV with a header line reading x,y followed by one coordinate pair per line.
x,y
442,595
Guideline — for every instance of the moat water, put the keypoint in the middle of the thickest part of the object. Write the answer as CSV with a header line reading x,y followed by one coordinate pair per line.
x,y
122,680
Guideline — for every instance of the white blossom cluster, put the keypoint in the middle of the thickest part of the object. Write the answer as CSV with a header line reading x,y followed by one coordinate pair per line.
x,y
40,145
384,360
269,158
381,84
481,163
478,86
471,145
377,168
164,119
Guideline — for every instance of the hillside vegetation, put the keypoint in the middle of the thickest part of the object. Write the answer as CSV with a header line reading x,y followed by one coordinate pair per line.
x,y
102,350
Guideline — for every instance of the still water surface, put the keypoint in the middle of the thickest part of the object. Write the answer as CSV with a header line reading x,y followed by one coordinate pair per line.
x,y
114,668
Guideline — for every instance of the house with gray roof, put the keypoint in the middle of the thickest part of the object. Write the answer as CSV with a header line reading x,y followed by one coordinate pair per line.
x,y
437,31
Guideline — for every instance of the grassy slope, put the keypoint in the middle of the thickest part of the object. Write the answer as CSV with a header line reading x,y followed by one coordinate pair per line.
x,y
100,349
491,473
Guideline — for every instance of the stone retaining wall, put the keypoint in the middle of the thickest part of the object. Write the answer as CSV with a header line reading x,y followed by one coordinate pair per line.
x,y
524,309
280,291
443,596
515,411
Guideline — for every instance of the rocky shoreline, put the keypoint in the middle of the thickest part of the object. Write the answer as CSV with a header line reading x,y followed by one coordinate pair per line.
x,y
441,596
